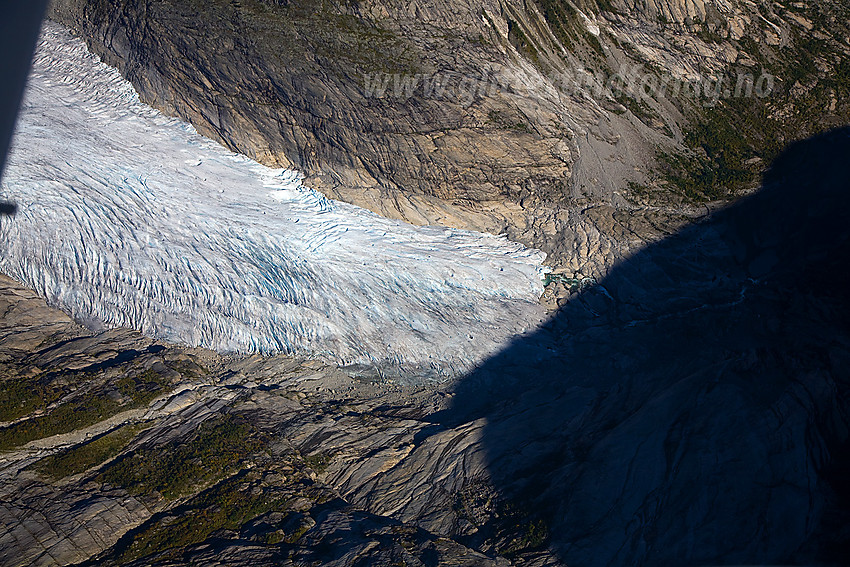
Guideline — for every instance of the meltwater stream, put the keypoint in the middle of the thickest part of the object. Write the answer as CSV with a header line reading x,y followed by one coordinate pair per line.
x,y
129,218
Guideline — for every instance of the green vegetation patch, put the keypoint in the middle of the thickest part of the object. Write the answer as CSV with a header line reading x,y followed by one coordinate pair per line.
x,y
565,21
639,108
298,30
521,42
216,450
22,396
808,97
523,532
562,17
514,526
226,506
318,462
83,457
728,144
503,121
81,410
143,388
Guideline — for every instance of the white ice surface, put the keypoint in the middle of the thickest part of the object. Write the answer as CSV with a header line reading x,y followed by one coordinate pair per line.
x,y
130,218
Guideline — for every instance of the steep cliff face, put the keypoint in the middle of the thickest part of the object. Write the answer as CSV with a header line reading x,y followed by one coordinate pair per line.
x,y
286,84
543,120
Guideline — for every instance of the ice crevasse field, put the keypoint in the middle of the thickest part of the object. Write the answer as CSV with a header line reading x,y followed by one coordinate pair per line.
x,y
127,217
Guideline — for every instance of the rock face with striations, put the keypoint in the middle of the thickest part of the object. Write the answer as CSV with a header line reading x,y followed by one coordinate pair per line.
x,y
504,116
114,448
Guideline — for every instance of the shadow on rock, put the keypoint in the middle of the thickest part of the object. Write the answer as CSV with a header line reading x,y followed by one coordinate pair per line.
x,y
693,407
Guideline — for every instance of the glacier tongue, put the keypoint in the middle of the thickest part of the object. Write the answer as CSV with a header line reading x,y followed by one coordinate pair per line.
x,y
129,218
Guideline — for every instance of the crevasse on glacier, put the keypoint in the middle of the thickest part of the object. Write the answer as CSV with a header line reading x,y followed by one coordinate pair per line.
x,y
130,218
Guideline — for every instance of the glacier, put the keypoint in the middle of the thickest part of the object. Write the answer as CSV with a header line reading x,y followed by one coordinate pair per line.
x,y
127,217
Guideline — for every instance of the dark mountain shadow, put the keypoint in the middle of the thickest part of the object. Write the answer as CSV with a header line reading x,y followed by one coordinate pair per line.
x,y
19,28
693,408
